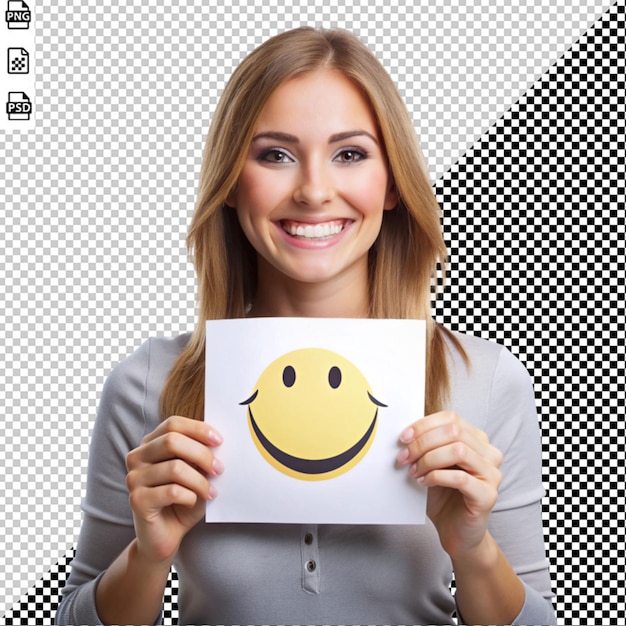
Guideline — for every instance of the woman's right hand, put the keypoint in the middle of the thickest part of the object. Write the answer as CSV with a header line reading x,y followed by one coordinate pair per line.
x,y
169,482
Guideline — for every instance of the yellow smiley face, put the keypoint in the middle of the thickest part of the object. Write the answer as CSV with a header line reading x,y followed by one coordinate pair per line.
x,y
312,415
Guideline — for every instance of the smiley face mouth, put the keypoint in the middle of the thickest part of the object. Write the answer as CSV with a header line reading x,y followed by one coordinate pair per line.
x,y
311,466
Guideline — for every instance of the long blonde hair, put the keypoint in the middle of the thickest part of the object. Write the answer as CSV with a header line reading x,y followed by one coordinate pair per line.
x,y
402,262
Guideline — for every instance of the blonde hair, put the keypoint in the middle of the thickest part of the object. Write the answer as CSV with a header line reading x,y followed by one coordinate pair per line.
x,y
402,262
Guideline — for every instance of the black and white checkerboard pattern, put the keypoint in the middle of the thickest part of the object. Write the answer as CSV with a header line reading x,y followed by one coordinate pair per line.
x,y
535,214
531,181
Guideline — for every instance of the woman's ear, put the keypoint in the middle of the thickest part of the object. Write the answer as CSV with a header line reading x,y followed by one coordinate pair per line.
x,y
391,199
231,198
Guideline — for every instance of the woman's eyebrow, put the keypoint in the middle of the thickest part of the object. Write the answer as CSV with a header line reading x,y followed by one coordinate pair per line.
x,y
351,133
287,138
278,136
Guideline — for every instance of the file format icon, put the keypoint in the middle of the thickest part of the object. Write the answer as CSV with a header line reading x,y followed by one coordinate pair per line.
x,y
17,15
19,106
17,61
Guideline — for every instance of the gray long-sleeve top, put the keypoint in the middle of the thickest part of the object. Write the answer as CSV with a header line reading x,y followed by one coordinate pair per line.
x,y
261,574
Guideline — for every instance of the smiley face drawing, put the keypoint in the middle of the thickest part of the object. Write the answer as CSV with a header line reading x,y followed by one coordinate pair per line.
x,y
312,415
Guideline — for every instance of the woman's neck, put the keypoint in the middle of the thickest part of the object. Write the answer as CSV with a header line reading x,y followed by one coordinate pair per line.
x,y
347,297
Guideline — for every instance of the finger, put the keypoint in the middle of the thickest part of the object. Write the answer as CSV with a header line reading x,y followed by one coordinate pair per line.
x,y
440,434
149,500
175,471
194,429
434,421
423,425
172,445
444,429
456,455
478,495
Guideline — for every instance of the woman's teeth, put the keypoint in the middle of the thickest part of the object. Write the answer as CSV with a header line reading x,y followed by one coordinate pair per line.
x,y
313,231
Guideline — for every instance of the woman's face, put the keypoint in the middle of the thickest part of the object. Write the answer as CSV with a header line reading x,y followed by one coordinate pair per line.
x,y
313,188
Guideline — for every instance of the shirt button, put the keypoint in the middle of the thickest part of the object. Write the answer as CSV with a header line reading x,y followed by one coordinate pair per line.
x,y
308,539
311,565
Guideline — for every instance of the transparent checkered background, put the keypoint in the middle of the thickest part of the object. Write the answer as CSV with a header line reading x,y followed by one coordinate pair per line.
x,y
521,114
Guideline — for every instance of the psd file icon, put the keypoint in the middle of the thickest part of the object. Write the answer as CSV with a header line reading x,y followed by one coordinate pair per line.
x,y
17,15
18,61
19,106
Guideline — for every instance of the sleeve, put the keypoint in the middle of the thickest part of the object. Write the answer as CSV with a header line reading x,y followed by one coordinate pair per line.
x,y
107,526
516,521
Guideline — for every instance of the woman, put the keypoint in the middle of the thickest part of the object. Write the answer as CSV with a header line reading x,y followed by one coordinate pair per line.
x,y
314,201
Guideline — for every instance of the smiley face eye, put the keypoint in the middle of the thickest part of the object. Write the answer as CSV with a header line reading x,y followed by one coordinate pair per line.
x,y
334,377
289,376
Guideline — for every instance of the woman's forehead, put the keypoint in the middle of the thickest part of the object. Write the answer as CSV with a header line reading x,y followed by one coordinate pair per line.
x,y
324,98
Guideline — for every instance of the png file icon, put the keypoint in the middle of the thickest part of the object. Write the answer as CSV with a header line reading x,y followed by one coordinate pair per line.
x,y
17,15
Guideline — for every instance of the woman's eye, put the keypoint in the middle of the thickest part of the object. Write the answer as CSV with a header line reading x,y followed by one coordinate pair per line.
x,y
351,156
275,156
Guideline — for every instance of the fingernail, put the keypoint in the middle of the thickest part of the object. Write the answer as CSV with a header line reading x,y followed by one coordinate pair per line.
x,y
413,469
217,466
212,492
408,434
215,438
403,455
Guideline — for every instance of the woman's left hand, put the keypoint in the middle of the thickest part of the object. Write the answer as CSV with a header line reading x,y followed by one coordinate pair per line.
x,y
461,467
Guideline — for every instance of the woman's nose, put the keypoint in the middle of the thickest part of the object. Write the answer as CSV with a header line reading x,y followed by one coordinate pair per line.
x,y
315,186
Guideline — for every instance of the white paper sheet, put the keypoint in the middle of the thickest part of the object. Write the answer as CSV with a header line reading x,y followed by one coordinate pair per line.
x,y
311,411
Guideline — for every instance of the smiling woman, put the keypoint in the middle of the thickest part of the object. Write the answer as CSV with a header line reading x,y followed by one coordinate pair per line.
x,y
314,201
311,195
